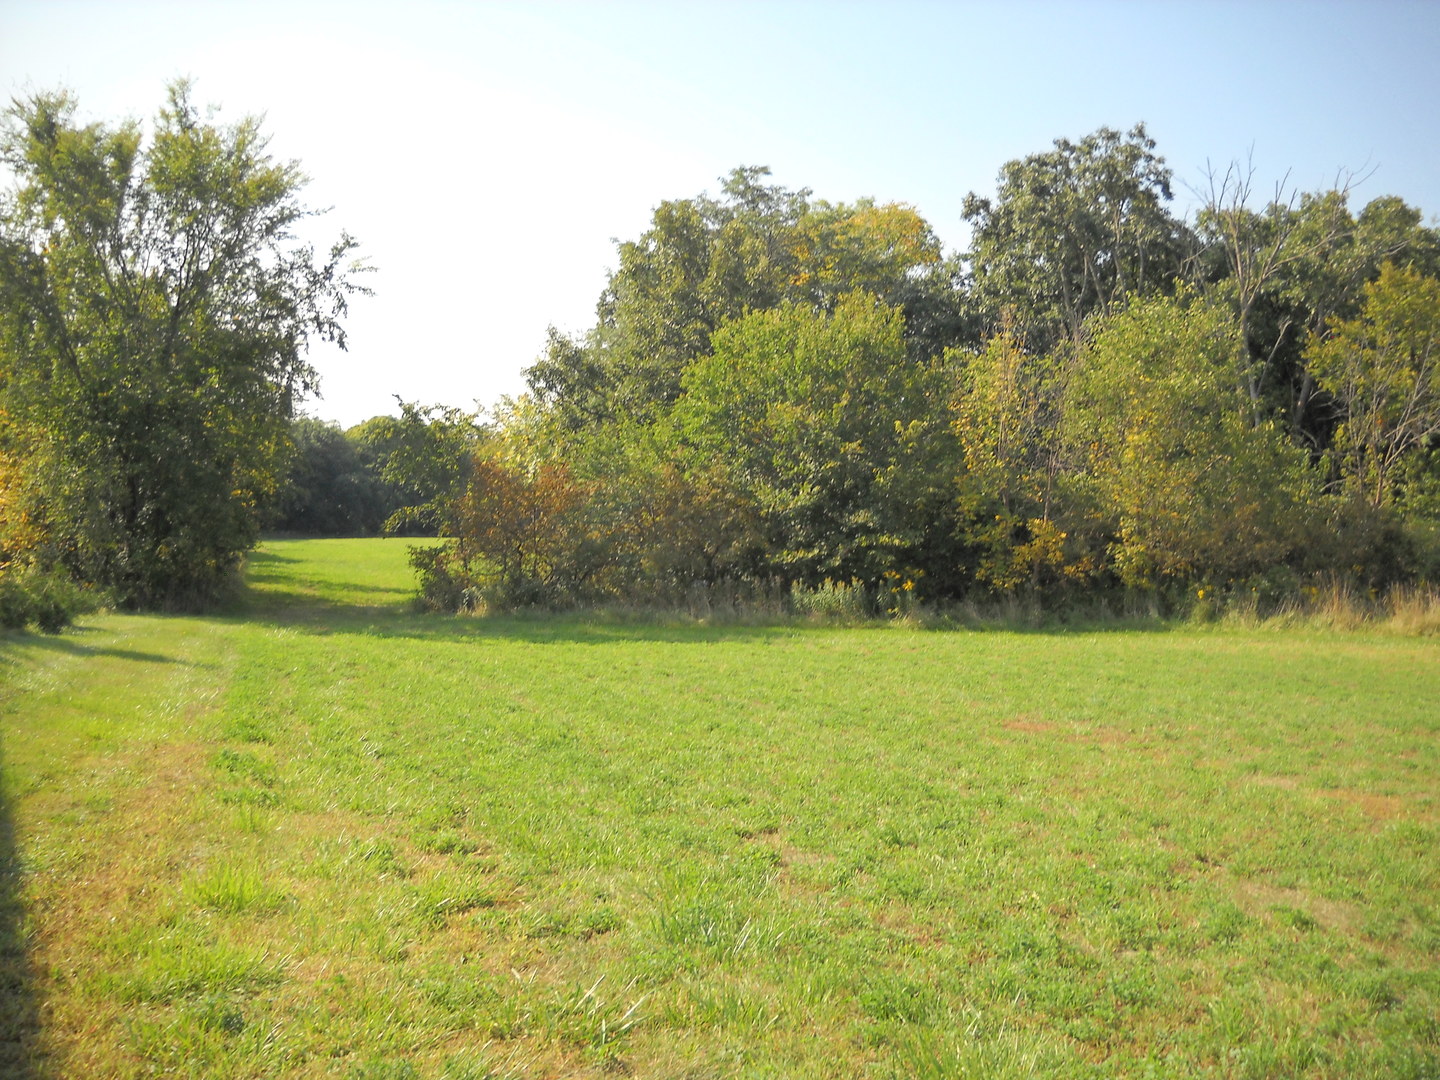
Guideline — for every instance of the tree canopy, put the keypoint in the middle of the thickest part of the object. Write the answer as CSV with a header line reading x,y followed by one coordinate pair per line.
x,y
156,311
1072,232
705,261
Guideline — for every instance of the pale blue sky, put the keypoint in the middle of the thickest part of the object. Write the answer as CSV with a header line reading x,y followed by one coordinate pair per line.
x,y
486,154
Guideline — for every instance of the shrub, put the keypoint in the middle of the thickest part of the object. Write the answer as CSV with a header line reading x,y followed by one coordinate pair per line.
x,y
444,587
47,600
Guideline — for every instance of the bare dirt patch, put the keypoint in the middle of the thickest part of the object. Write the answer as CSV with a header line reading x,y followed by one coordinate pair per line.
x,y
1030,725
1259,897
1374,806
1286,783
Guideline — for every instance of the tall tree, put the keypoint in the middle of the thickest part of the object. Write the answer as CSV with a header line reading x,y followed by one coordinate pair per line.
x,y
1288,270
1007,415
156,312
1072,231
329,489
708,260
1196,489
424,455
1256,247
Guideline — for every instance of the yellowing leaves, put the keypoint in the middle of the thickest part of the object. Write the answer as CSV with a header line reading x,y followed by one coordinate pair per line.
x,y
1384,369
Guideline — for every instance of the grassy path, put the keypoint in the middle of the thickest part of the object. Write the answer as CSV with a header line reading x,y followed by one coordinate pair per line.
x,y
325,837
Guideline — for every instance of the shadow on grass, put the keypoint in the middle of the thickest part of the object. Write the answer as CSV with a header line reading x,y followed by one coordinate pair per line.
x,y
66,642
260,557
19,1016
298,607
405,624
275,585
308,614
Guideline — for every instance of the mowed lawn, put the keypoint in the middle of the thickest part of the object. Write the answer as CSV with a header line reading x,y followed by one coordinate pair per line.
x,y
324,836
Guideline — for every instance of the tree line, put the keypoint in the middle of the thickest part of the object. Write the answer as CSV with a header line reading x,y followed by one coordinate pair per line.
x,y
386,476
780,396
784,395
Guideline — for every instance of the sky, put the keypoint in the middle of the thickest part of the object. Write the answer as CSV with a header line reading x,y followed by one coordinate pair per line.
x,y
489,155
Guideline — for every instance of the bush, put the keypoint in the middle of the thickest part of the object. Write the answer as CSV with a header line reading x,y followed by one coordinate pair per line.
x,y
442,589
48,600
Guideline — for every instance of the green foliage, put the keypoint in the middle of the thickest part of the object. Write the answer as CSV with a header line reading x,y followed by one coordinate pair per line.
x,y
444,585
1018,502
46,599
705,261
1289,268
1383,369
527,532
781,392
424,456
1073,231
329,488
672,521
1197,490
833,600
155,315
815,414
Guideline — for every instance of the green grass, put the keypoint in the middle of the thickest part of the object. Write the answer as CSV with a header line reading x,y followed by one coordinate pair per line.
x,y
323,836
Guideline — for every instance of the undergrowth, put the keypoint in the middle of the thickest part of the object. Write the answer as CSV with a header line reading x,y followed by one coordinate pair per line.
x,y
1332,605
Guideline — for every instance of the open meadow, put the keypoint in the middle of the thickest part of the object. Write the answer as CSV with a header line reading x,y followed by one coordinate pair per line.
x,y
324,836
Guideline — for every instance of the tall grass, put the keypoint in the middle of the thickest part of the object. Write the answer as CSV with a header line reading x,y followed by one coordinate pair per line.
x,y
1408,611
1326,603
1333,604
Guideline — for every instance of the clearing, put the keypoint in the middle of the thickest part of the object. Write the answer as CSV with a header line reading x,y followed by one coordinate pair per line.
x,y
327,837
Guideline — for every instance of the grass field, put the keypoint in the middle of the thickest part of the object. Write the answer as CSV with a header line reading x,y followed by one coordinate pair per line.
x,y
325,837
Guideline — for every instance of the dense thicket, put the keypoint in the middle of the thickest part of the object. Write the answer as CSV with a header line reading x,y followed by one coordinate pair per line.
x,y
786,396
154,315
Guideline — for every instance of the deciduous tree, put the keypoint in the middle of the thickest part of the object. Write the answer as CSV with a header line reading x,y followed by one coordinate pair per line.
x,y
424,455
705,261
1197,490
1383,368
1072,231
815,412
155,310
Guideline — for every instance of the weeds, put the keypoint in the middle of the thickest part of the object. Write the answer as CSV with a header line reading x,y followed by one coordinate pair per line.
x,y
1412,611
